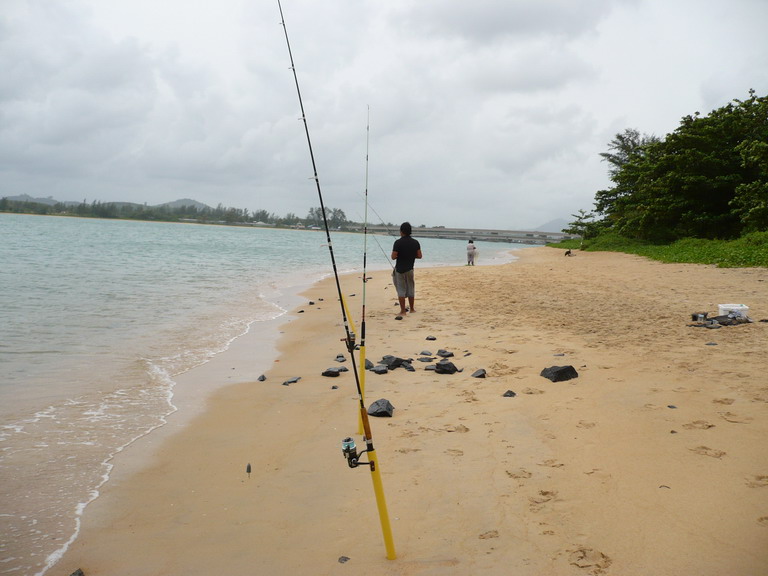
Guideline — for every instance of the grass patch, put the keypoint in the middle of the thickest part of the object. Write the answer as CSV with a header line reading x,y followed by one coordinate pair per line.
x,y
748,251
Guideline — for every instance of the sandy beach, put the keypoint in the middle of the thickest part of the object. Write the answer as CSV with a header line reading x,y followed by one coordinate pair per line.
x,y
654,460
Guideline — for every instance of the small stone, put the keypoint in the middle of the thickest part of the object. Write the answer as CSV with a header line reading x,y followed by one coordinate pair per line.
x,y
479,373
291,381
559,373
509,394
262,378
381,408
431,338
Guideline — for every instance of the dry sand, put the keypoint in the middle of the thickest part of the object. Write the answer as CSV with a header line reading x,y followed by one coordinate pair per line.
x,y
653,461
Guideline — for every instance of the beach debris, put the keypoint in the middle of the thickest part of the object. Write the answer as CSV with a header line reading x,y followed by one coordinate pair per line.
x,y
381,408
431,338
341,358
398,317
334,387
78,572
300,312
479,373
467,354
393,362
343,559
261,378
446,367
560,373
292,381
248,469
444,353
379,369
311,303
509,394
333,371
672,406
711,344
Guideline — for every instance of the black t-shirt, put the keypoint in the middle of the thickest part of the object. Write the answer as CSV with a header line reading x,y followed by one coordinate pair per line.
x,y
406,248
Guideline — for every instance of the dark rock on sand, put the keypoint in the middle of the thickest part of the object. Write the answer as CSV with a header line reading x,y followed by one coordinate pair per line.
x,y
262,378
382,407
444,353
332,372
292,381
560,373
380,369
341,358
509,394
446,367
431,338
479,373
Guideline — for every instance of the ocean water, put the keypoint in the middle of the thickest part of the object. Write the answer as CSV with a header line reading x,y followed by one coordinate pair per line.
x,y
97,319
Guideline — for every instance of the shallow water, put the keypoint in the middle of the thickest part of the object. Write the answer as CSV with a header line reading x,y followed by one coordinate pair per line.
x,y
97,318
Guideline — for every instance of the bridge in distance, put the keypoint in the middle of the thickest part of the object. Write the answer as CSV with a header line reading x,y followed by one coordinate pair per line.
x,y
477,234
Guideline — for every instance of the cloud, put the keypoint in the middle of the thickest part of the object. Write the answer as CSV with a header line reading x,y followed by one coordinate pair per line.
x,y
484,114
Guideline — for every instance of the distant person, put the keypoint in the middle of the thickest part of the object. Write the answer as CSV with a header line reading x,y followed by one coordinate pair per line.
x,y
471,249
405,251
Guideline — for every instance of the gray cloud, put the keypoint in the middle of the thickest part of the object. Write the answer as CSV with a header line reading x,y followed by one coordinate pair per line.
x,y
484,114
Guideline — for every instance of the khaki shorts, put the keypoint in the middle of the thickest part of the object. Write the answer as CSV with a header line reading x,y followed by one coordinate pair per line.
x,y
404,284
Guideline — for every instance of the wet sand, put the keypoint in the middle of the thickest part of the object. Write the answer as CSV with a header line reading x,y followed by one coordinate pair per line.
x,y
653,461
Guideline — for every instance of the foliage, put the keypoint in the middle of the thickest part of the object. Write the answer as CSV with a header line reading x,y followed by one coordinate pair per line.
x,y
750,250
166,213
707,179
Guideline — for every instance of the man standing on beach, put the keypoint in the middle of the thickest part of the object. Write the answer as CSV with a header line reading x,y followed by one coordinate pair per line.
x,y
405,251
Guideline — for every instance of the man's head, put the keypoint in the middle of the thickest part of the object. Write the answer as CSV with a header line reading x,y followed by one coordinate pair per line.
x,y
405,228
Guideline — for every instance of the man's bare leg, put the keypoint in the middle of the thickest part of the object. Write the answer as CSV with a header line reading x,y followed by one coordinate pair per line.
x,y
402,305
410,301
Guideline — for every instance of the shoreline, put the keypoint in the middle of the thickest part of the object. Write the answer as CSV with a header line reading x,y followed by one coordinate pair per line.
x,y
595,475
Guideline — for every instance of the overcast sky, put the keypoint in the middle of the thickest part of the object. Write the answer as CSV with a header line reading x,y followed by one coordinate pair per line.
x,y
483,113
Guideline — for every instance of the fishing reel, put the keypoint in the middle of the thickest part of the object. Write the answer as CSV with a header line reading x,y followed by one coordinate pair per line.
x,y
349,449
350,342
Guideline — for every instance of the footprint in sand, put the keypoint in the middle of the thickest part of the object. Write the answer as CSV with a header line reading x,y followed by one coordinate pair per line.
x,y
698,425
488,535
551,463
726,401
589,560
763,521
537,502
532,391
706,451
458,428
583,424
757,481
520,474
735,418
455,452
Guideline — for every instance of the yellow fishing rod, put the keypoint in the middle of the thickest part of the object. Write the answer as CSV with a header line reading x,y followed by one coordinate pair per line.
x,y
349,449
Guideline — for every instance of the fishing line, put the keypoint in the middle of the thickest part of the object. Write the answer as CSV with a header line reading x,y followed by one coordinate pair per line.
x,y
350,336
348,445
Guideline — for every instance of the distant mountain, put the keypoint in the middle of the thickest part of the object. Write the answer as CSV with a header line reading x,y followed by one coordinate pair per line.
x,y
50,201
184,202
556,225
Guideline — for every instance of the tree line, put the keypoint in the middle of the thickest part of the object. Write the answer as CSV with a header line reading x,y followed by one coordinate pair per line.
x,y
182,213
708,179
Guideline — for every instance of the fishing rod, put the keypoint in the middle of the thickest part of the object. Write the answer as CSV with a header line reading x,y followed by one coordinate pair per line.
x,y
348,447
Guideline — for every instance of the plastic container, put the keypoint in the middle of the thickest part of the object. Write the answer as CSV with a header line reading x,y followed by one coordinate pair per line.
x,y
735,309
